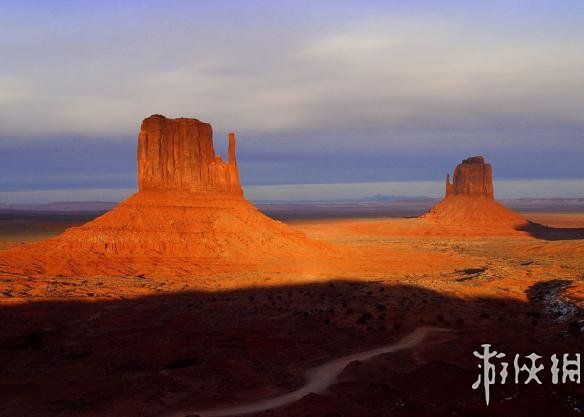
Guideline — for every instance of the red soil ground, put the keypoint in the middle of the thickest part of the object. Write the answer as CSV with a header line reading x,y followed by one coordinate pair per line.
x,y
183,337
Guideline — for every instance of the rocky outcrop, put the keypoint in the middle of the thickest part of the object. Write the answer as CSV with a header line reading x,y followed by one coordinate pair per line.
x,y
189,217
448,190
178,155
472,178
469,200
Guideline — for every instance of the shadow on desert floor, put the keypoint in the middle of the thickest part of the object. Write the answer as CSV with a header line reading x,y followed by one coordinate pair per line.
x,y
172,352
543,232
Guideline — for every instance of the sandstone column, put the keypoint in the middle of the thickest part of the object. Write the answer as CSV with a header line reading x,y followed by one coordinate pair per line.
x,y
178,155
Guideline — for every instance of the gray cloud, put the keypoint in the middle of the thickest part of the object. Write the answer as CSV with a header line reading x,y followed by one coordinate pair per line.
x,y
350,94
385,73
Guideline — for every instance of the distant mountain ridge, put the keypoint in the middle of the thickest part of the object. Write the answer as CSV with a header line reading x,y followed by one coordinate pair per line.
x,y
61,206
378,200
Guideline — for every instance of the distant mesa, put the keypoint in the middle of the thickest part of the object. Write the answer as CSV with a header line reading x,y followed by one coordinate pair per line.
x,y
473,177
189,216
469,199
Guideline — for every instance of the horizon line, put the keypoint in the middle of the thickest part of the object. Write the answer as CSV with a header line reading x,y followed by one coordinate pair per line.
x,y
504,189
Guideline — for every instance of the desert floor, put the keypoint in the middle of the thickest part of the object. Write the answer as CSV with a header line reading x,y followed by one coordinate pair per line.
x,y
155,346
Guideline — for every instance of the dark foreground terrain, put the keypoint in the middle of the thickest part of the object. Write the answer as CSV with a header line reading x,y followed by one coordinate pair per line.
x,y
153,355
147,346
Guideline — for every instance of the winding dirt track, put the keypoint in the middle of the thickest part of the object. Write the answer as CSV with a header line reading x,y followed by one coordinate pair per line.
x,y
318,379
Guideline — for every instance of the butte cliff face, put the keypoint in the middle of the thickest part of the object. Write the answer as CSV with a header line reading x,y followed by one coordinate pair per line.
x,y
473,177
178,155
469,199
188,217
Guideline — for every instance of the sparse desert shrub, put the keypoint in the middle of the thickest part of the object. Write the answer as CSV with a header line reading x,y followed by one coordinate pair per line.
x,y
364,317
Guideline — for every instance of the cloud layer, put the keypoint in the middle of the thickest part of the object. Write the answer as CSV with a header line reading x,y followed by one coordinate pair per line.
x,y
303,83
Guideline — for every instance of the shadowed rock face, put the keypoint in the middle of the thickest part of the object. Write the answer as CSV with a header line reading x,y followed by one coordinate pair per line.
x,y
178,155
472,178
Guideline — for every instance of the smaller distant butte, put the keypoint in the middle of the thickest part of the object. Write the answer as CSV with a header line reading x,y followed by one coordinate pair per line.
x,y
469,199
473,177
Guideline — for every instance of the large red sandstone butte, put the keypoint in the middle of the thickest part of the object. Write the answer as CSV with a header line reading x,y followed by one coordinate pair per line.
x,y
469,199
188,216
178,155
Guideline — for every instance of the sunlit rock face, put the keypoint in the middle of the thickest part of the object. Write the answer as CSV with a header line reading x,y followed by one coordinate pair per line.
x,y
178,155
472,178
189,217
469,200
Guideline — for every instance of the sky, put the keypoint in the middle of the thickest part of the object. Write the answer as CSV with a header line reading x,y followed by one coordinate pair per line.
x,y
317,92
